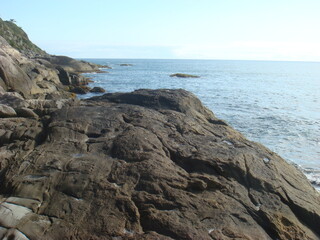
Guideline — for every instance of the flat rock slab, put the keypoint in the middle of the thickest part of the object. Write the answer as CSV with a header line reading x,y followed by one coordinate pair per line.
x,y
152,164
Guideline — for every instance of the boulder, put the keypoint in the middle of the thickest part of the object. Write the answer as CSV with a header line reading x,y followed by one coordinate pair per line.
x,y
13,76
26,112
78,80
80,89
25,75
97,90
6,111
125,65
152,164
13,99
2,91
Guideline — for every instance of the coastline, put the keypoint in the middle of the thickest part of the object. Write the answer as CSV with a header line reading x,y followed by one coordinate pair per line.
x,y
291,148
146,164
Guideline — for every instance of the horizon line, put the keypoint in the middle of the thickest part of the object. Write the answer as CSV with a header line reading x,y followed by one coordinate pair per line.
x,y
201,59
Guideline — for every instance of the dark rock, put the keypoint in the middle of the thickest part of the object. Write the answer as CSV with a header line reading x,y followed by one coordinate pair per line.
x,y
181,100
13,99
97,90
126,65
63,76
147,165
80,89
104,66
101,71
26,112
183,75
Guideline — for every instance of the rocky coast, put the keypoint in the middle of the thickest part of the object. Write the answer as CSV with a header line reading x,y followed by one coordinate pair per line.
x,y
150,164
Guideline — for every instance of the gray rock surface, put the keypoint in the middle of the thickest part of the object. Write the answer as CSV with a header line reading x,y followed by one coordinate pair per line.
x,y
6,111
72,65
152,164
41,76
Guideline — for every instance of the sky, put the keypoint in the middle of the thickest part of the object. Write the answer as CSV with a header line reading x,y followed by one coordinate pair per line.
x,y
278,30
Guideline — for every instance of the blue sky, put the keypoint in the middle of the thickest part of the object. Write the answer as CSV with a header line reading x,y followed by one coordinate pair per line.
x,y
192,29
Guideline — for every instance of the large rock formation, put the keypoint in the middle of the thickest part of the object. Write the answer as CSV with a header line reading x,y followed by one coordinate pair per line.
x,y
152,164
30,71
72,65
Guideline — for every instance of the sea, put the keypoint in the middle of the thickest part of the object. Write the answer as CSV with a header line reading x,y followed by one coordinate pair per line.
x,y
271,102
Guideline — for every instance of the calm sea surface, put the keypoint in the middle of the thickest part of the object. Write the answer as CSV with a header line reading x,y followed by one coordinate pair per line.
x,y
274,103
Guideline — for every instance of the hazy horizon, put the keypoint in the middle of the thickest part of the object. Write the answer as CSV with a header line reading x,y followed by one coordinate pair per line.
x,y
230,30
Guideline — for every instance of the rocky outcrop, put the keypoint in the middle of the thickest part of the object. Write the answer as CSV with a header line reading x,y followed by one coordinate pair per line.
x,y
72,65
26,69
27,76
80,89
40,78
152,164
184,75
97,90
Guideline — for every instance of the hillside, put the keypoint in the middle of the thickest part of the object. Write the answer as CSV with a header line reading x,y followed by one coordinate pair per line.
x,y
18,39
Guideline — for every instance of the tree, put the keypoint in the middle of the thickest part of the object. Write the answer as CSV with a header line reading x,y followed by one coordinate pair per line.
x,y
12,20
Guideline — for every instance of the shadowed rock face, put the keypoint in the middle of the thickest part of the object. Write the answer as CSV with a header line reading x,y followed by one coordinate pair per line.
x,y
152,164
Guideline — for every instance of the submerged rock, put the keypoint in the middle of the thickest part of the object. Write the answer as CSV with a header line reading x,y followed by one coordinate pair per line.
x,y
151,164
183,75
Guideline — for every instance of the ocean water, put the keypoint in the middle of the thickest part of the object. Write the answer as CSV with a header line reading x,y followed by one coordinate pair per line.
x,y
274,103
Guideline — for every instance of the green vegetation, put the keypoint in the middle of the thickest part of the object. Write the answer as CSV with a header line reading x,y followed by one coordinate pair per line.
x,y
18,39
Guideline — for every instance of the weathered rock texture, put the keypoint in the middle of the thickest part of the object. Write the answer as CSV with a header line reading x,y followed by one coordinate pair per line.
x,y
152,164
72,65
26,69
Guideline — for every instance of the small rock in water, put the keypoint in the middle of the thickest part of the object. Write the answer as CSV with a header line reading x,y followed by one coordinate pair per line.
x,y
183,75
